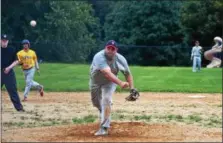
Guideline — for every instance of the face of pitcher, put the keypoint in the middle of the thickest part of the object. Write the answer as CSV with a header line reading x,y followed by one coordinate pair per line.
x,y
111,49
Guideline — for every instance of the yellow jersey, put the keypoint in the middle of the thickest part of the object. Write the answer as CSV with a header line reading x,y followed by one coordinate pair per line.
x,y
27,58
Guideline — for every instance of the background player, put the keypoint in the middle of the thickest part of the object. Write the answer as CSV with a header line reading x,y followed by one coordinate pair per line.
x,y
196,57
28,59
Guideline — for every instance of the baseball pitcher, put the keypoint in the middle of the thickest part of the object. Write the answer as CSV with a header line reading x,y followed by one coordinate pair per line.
x,y
212,54
28,60
103,81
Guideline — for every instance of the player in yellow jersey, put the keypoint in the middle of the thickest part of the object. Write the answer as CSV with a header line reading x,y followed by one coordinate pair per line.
x,y
28,60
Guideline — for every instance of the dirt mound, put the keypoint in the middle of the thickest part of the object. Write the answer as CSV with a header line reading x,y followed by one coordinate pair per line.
x,y
119,132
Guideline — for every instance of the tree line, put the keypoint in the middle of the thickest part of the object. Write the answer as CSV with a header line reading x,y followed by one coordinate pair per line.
x,y
151,32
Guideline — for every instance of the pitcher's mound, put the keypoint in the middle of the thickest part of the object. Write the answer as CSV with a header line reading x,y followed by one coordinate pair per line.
x,y
119,132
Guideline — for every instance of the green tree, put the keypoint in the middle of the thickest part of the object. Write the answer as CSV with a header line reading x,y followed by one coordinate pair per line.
x,y
203,20
65,32
16,16
102,8
67,26
148,23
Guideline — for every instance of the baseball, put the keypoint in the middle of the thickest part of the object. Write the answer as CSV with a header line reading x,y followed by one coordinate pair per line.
x,y
33,23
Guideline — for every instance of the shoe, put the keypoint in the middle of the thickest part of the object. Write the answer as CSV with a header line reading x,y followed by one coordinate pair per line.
x,y
41,91
21,110
102,132
24,99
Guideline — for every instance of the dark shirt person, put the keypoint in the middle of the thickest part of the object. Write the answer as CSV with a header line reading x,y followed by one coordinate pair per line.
x,y
8,61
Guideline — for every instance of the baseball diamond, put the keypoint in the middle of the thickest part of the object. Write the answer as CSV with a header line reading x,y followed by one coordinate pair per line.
x,y
111,71
70,117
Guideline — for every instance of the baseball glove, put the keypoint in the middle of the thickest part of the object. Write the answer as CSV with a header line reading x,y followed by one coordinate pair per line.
x,y
134,95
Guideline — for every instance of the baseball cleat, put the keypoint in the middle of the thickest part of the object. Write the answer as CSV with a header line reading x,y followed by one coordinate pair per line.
x,y
101,132
41,91
24,99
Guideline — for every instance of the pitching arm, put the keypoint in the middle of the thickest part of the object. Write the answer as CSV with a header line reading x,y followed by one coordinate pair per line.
x,y
129,79
124,68
109,75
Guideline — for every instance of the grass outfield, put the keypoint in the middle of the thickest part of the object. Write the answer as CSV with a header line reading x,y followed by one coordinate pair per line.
x,y
70,77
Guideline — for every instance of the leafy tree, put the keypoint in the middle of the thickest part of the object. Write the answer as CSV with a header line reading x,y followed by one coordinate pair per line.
x,y
67,26
64,30
152,23
203,20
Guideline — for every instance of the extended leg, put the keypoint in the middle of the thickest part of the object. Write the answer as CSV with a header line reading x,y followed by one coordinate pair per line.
x,y
29,74
10,85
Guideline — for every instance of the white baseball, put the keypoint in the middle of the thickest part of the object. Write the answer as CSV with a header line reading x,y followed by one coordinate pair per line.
x,y
33,23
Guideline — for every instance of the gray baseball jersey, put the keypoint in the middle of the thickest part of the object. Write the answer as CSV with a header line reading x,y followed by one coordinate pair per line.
x,y
100,62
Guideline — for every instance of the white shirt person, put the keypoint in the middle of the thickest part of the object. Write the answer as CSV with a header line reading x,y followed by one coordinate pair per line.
x,y
196,57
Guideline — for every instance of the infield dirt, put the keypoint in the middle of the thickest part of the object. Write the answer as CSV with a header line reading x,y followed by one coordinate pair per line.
x,y
154,117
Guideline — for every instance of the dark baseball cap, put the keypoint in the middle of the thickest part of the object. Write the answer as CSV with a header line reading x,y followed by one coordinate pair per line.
x,y
4,36
111,43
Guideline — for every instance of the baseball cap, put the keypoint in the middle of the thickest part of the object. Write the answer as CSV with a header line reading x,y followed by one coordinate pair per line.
x,y
4,36
25,41
111,43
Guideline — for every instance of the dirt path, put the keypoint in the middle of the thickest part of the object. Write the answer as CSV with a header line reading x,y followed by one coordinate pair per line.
x,y
152,118
120,132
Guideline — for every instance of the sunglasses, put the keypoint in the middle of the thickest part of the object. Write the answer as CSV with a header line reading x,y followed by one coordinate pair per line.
x,y
111,48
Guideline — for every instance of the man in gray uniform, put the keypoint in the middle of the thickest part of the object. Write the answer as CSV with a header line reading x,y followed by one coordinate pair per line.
x,y
103,80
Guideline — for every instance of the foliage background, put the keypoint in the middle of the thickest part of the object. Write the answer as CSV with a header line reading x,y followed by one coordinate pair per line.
x,y
150,33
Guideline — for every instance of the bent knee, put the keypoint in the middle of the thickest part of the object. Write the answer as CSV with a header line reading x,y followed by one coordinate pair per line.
x,y
107,101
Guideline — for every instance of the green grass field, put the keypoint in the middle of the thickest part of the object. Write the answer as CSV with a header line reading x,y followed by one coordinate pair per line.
x,y
70,77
